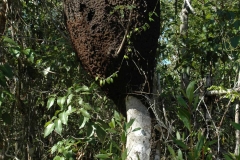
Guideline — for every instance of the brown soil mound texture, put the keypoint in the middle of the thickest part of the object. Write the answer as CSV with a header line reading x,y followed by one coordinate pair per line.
x,y
99,29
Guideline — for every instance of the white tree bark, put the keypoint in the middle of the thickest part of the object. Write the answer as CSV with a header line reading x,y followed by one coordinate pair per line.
x,y
237,132
138,142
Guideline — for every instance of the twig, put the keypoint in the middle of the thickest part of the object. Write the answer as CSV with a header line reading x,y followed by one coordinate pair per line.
x,y
126,32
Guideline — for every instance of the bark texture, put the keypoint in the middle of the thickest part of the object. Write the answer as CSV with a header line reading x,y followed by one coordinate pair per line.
x,y
138,142
98,30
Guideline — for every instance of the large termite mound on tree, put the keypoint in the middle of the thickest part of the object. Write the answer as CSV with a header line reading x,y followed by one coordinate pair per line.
x,y
98,28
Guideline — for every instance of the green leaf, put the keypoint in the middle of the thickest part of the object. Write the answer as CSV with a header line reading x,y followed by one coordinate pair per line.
x,y
112,123
195,104
70,110
6,70
6,118
50,102
181,101
54,148
129,124
27,51
61,101
170,149
111,80
58,126
198,147
189,91
178,135
63,117
136,129
123,137
209,16
90,130
100,133
235,41
108,80
184,115
103,156
85,113
87,106
69,99
235,125
227,157
2,80
9,40
180,143
83,121
48,129
124,154
84,88
180,155
58,158
117,116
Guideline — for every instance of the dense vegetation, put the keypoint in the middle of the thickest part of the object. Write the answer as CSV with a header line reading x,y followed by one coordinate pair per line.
x,y
51,109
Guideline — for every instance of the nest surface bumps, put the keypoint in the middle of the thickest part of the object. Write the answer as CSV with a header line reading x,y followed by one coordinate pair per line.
x,y
97,29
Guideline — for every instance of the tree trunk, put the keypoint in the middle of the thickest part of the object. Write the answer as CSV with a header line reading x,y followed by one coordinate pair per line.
x,y
237,132
138,142
186,10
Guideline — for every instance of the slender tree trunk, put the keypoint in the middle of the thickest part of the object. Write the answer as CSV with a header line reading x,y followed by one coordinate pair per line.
x,y
186,10
237,132
138,142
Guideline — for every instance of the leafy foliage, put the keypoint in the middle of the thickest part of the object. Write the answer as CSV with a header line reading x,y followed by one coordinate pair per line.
x,y
51,109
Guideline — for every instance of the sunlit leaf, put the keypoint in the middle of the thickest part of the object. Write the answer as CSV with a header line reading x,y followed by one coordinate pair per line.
x,y
69,99
63,117
50,102
53,149
70,110
117,116
112,123
178,135
83,121
58,126
180,155
61,101
170,149
90,130
48,129
85,113
58,158
46,71
103,156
